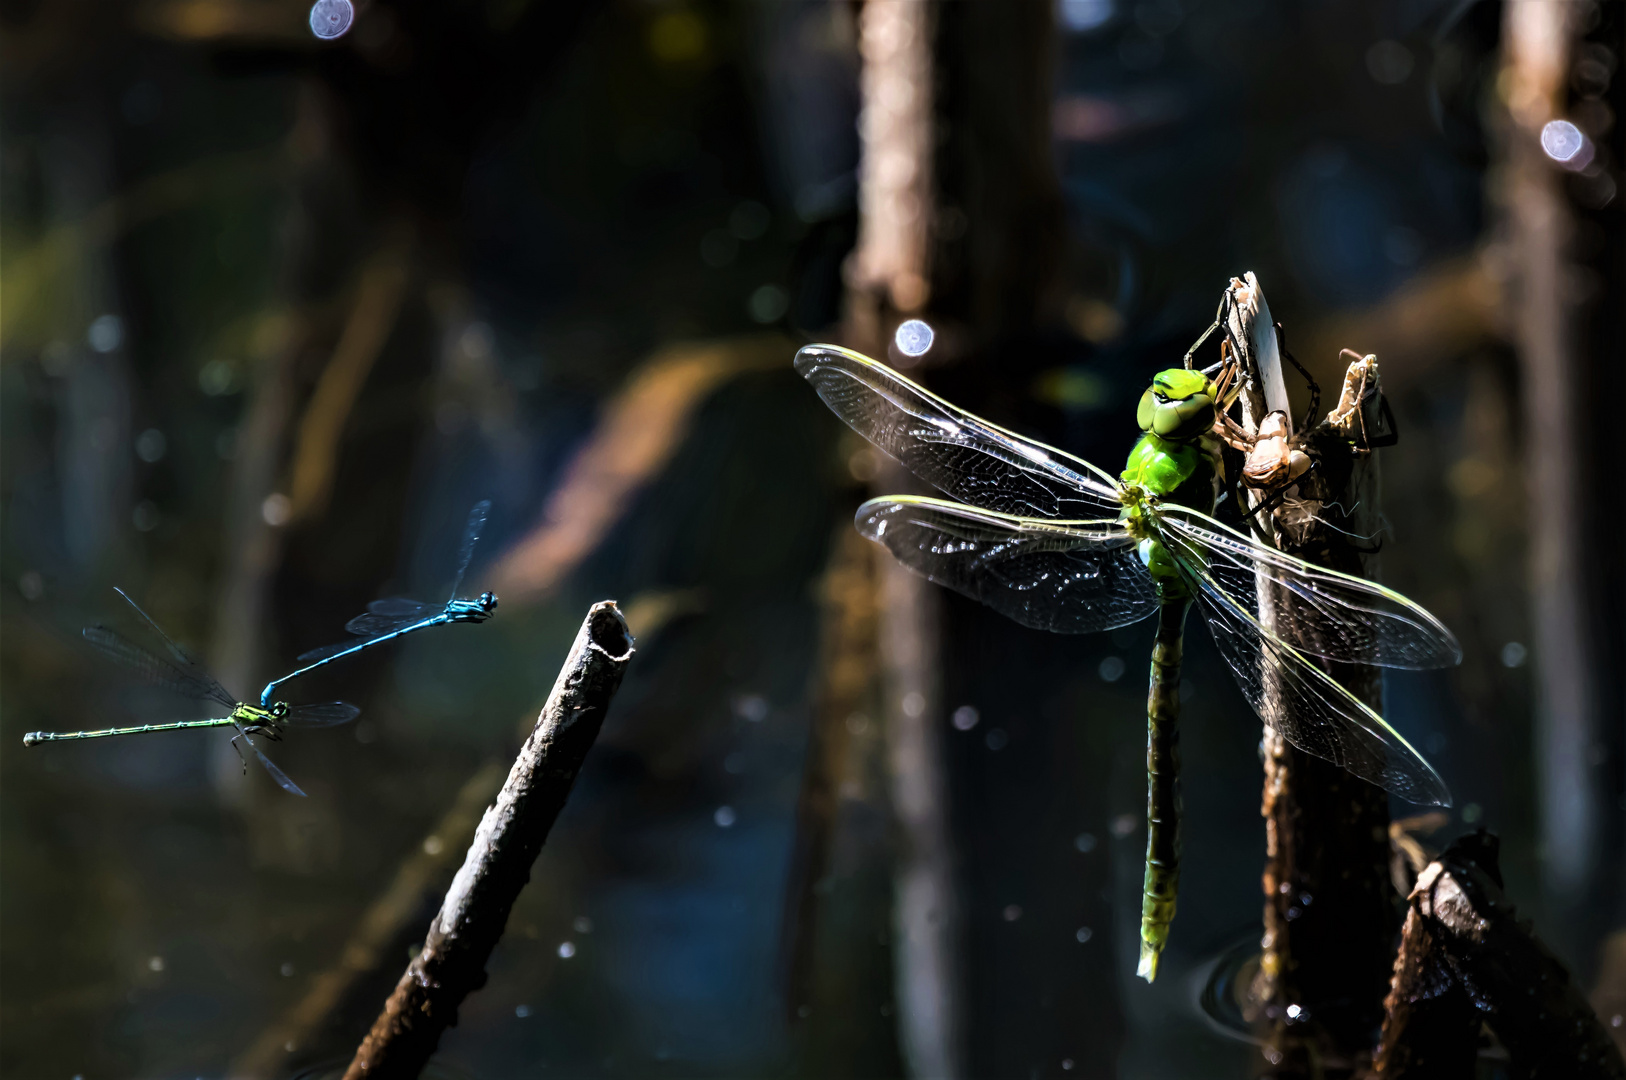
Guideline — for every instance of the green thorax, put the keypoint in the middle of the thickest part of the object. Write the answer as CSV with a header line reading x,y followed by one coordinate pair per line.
x,y
252,716
1162,467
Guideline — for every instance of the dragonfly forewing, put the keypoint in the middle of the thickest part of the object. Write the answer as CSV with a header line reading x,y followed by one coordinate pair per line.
x,y
402,613
1301,702
471,536
1070,577
182,678
400,607
1322,612
327,714
960,454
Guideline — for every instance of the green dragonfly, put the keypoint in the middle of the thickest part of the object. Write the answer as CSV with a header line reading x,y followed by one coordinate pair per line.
x,y
1057,544
178,673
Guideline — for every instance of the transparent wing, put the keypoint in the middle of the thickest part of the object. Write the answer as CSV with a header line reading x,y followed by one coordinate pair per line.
x,y
382,617
327,650
471,536
330,714
1303,703
962,455
276,774
400,606
179,654
1328,614
376,625
185,679
1068,577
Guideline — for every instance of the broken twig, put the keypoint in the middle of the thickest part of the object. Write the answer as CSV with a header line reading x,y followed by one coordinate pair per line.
x,y
498,863
1464,938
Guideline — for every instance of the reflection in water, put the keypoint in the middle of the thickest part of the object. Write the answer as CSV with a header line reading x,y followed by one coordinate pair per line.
x,y
1225,989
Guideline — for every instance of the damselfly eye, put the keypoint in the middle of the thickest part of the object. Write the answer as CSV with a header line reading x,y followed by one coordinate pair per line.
x,y
488,600
279,710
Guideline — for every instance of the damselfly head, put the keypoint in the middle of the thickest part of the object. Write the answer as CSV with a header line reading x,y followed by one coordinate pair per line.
x,y
488,602
1179,405
279,710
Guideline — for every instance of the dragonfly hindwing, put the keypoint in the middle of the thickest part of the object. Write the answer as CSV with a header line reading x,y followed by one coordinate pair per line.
x,y
1070,577
1298,699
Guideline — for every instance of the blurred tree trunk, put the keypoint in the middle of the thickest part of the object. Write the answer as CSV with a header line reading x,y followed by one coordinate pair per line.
x,y
887,282
1566,340
962,225
999,231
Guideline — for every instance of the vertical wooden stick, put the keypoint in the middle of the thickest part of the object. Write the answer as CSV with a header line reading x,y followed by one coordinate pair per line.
x,y
1328,920
887,279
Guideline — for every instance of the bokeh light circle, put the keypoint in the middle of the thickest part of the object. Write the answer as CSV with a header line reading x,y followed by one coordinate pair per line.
x,y
331,18
1562,140
914,338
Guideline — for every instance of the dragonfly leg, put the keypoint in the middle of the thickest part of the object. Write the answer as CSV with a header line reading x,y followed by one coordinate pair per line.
x,y
1315,387
239,749
1234,434
1271,502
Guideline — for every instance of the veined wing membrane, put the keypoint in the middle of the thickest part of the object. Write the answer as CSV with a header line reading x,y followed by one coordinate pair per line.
x,y
329,714
186,680
382,617
385,615
1070,577
471,536
373,624
1328,614
1303,704
276,774
399,607
960,454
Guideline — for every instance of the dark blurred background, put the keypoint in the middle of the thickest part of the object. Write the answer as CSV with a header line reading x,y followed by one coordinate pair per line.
x,y
278,310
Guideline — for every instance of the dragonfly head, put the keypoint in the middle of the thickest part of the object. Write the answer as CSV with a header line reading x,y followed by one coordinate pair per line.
x,y
1179,405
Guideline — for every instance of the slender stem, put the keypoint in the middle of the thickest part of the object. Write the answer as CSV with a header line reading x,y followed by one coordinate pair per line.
x,y
1162,786
270,687
34,737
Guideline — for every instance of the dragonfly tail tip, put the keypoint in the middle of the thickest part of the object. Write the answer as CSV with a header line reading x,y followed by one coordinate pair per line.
x,y
1149,955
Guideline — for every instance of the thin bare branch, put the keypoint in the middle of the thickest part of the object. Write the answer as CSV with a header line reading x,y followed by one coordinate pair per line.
x,y
498,864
